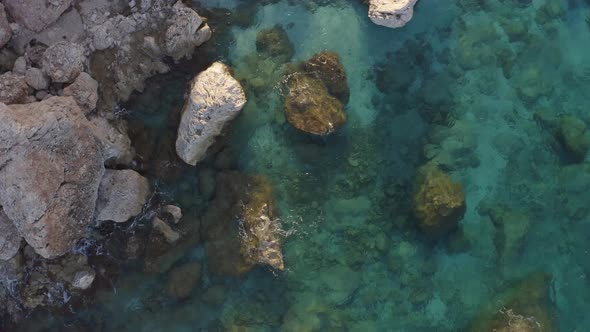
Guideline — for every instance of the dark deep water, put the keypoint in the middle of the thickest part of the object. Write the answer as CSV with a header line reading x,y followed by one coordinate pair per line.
x,y
486,89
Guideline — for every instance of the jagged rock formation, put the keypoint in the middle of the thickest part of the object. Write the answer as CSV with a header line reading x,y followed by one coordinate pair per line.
x,y
215,99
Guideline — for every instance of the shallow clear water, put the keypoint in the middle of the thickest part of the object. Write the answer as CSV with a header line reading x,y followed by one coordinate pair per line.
x,y
476,80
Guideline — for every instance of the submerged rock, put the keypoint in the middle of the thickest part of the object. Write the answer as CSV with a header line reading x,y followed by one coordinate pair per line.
x,y
391,13
183,279
215,99
163,228
327,67
173,211
36,15
51,165
523,307
121,195
274,43
571,133
439,202
511,229
241,228
310,108
63,61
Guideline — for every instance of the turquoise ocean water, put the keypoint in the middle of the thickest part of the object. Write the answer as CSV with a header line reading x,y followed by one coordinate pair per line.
x,y
483,87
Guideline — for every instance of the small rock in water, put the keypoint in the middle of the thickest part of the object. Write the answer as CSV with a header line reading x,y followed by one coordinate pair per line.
x,y
83,279
173,211
169,234
353,162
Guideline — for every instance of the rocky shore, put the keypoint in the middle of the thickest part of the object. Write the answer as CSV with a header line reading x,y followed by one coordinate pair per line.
x,y
66,162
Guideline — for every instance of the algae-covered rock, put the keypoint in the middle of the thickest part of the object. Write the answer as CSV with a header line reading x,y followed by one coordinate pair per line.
x,y
274,43
439,202
571,133
532,85
241,228
523,307
327,67
310,108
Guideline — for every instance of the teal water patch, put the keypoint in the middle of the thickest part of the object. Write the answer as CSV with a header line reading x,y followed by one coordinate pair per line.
x,y
482,89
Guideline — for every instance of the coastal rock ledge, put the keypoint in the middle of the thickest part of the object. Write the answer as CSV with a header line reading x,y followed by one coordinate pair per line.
x,y
391,13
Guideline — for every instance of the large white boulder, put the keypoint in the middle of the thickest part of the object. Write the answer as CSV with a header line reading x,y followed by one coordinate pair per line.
x,y
215,99
391,13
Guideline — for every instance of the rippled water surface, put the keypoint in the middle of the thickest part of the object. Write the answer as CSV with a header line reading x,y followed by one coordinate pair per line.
x,y
484,88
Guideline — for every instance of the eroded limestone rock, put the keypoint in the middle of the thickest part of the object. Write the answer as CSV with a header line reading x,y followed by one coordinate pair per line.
x,y
5,29
36,15
10,239
215,99
13,88
63,61
85,92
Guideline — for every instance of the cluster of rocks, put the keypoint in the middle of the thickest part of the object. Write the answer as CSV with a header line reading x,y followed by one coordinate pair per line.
x,y
65,160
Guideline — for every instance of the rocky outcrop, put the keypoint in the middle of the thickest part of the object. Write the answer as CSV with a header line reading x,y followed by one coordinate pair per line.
x,y
310,108
36,15
85,92
327,67
215,99
51,164
241,228
121,195
5,29
64,61
439,202
391,13
10,239
116,143
316,94
13,88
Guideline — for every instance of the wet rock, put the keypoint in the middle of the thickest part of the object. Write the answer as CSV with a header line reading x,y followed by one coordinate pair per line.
x,y
310,108
183,279
185,33
85,92
173,211
571,133
121,195
63,61
215,99
13,88
523,307
439,202
391,13
36,79
10,239
163,228
274,43
36,15
327,67
116,143
5,29
50,169
241,227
